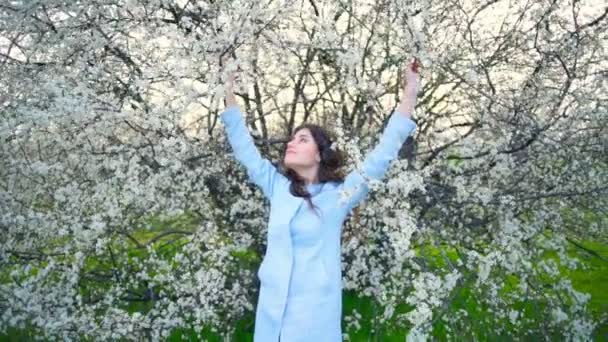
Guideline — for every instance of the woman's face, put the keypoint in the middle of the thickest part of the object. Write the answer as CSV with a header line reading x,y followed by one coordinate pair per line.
x,y
302,151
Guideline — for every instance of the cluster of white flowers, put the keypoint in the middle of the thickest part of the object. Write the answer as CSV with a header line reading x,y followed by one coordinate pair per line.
x,y
115,188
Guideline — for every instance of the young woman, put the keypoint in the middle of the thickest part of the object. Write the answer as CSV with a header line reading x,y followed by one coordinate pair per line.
x,y
300,298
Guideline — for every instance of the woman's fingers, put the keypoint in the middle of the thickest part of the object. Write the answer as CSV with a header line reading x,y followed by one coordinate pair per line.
x,y
231,75
415,65
410,79
413,69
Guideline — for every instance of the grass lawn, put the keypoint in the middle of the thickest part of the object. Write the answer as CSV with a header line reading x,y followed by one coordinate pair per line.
x,y
591,279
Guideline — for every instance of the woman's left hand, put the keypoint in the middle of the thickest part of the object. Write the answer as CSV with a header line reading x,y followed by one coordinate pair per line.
x,y
410,81
410,88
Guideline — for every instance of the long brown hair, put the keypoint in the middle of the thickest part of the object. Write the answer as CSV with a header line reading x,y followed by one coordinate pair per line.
x,y
330,167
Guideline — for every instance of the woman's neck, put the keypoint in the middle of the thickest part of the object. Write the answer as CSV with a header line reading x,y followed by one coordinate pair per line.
x,y
311,181
308,175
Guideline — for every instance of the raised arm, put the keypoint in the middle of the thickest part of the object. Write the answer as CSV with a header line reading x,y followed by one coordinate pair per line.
x,y
399,127
259,170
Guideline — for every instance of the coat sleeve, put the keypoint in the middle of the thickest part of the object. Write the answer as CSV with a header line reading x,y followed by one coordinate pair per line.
x,y
259,170
377,161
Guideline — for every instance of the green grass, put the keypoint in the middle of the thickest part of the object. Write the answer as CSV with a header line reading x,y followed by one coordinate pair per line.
x,y
477,325
593,279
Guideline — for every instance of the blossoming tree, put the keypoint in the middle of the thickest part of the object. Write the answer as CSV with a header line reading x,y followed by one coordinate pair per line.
x,y
122,214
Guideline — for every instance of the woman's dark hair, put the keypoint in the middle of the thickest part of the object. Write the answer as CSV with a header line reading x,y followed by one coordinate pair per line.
x,y
330,167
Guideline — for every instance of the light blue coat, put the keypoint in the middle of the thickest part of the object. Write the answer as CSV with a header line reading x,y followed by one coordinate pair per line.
x,y
300,295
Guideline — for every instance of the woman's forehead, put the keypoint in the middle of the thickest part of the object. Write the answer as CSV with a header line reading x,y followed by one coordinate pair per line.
x,y
301,131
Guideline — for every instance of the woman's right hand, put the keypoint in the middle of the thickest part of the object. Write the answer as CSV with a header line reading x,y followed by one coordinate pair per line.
x,y
229,83
230,77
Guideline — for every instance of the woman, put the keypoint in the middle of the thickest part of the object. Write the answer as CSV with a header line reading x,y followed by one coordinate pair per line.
x,y
300,296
